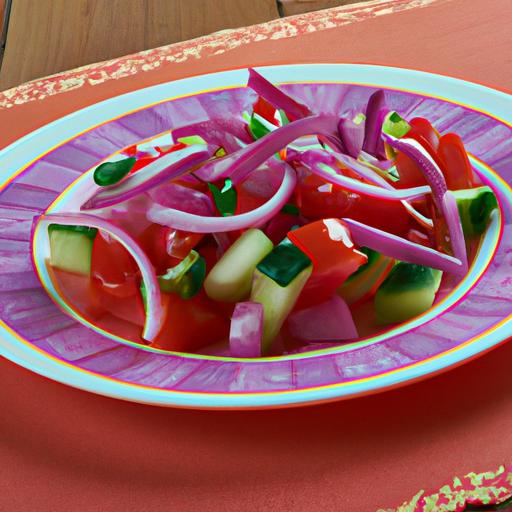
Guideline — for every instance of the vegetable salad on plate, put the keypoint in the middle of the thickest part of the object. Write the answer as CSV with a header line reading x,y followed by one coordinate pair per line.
x,y
292,232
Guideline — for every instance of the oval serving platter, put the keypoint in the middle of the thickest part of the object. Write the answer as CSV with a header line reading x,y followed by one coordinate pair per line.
x,y
43,170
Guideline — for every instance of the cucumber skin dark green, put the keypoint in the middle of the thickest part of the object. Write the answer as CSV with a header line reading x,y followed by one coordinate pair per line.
x,y
407,277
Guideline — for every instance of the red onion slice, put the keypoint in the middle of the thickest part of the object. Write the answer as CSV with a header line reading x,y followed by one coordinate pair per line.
x,y
185,221
401,249
329,321
154,311
239,164
277,98
169,166
435,178
246,330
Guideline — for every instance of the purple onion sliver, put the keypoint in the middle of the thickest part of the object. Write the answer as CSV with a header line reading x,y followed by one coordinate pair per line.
x,y
154,311
329,321
173,195
426,164
246,330
178,219
352,136
401,249
277,98
373,123
452,215
253,155
363,188
435,178
169,166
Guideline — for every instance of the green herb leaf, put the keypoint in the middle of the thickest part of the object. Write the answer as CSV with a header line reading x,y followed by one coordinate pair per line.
x,y
225,199
110,173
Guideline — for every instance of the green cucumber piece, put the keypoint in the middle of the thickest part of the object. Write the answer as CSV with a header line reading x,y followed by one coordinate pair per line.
x,y
408,291
475,206
284,263
190,140
71,248
231,277
277,302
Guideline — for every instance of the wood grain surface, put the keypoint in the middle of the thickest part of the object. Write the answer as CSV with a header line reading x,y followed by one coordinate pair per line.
x,y
47,36
291,7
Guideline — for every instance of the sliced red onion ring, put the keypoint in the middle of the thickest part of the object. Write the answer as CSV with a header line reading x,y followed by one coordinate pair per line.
x,y
435,178
173,195
246,330
329,321
277,98
315,161
239,164
154,310
352,136
169,166
224,132
376,112
401,249
178,219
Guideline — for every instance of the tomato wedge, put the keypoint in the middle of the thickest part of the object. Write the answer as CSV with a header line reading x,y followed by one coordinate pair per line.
x,y
320,200
191,324
328,245
456,166
165,247
113,268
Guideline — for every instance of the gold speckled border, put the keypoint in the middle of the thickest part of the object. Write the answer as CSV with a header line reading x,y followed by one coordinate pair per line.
x,y
477,489
213,44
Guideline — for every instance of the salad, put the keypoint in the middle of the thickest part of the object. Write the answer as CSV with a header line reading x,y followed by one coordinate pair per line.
x,y
281,231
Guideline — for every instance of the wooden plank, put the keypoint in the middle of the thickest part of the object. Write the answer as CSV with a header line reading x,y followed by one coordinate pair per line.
x,y
291,7
47,36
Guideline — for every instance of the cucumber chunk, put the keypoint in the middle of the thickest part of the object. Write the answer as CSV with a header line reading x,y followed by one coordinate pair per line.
x,y
231,278
408,291
277,302
475,206
71,248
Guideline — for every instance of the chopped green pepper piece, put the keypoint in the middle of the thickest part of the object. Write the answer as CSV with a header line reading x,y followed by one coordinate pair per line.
x,y
359,118
284,263
220,152
257,128
395,125
83,230
186,278
110,173
144,295
191,140
291,209
193,279
225,199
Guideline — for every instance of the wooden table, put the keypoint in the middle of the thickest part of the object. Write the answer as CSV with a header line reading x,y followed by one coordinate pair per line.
x,y
63,449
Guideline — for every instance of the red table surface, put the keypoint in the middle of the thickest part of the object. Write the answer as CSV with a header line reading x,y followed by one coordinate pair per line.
x,y
66,450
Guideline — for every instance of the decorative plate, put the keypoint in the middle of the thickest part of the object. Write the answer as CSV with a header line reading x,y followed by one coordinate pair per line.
x,y
35,171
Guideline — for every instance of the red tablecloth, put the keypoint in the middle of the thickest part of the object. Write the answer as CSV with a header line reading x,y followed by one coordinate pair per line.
x,y
66,450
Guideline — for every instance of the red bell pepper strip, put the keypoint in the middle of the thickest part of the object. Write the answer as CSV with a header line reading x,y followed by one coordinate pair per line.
x,y
455,162
329,246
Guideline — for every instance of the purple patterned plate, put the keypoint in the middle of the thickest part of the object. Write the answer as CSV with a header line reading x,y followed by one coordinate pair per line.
x,y
44,170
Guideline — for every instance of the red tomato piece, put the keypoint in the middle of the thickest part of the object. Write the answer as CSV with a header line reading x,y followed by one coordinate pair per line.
x,y
165,247
191,324
424,133
79,291
328,244
320,200
263,108
456,166
113,267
